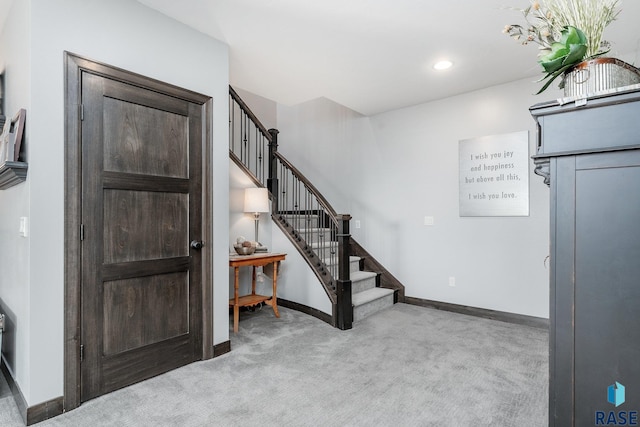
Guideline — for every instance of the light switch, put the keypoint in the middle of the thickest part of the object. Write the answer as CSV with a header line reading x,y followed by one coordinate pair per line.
x,y
357,223
428,220
24,229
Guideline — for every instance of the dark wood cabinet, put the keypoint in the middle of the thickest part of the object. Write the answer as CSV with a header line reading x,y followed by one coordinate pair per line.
x,y
589,153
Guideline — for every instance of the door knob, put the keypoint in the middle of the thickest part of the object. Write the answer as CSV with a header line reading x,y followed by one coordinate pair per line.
x,y
197,244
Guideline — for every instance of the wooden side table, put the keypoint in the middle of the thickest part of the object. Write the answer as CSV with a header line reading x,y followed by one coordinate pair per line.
x,y
255,260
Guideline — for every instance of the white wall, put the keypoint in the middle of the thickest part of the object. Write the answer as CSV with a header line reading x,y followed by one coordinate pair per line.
x,y
296,280
391,170
15,60
497,262
128,35
326,142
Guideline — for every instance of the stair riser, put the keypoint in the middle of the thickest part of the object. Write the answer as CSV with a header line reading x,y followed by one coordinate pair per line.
x,y
363,285
364,310
354,266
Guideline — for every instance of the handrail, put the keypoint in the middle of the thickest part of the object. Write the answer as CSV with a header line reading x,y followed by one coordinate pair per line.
x,y
249,113
330,210
248,139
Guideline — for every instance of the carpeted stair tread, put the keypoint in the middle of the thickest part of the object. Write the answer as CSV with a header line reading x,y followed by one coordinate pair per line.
x,y
369,295
354,263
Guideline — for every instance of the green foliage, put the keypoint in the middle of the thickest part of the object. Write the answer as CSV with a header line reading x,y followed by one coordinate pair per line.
x,y
570,50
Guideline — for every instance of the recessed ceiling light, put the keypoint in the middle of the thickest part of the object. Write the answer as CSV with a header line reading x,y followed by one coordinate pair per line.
x,y
442,65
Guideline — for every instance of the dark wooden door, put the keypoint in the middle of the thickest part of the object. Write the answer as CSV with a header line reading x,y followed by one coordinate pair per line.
x,y
141,296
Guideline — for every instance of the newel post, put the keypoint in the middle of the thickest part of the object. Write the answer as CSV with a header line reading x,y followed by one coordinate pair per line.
x,y
272,180
343,288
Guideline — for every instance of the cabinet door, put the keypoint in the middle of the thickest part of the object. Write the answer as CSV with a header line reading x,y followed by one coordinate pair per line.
x,y
597,285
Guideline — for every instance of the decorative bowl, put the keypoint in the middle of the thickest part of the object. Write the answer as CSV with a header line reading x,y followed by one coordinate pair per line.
x,y
244,250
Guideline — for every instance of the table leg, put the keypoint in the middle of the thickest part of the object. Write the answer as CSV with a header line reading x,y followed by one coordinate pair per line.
x,y
253,281
274,298
236,303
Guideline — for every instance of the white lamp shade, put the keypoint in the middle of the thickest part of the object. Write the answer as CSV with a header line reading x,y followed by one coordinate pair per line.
x,y
256,200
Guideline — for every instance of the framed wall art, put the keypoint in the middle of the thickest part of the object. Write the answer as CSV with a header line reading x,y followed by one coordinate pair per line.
x,y
494,175
11,138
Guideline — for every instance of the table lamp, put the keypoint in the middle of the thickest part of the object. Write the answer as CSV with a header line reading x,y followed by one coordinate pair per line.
x,y
256,200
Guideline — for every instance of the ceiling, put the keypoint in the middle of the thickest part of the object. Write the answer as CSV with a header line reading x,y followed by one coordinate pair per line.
x,y
5,6
373,55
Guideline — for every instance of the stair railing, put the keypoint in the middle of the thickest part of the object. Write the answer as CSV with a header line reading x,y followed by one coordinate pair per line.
x,y
321,235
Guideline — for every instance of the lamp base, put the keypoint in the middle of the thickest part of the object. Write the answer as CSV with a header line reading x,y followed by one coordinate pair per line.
x,y
259,247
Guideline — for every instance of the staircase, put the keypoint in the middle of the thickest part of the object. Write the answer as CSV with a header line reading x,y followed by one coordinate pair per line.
x,y
356,284
367,297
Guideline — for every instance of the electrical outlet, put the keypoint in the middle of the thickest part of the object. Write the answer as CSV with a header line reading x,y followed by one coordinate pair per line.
x,y
452,281
428,220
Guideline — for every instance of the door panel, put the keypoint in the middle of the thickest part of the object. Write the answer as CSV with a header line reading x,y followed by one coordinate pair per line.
x,y
145,225
129,126
141,206
144,311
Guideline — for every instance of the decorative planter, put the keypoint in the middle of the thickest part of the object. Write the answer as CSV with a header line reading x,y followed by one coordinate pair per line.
x,y
597,75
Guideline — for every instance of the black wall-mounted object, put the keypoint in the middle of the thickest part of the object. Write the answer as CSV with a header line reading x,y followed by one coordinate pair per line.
x,y
589,154
3,118
2,97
